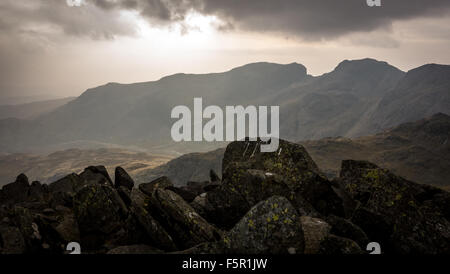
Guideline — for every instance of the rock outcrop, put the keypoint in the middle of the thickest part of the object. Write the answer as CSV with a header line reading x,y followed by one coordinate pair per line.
x,y
266,203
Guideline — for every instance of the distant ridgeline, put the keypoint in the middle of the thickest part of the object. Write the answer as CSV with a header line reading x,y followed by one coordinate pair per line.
x,y
357,98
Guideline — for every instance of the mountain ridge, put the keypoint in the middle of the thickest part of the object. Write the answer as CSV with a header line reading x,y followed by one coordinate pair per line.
x,y
347,101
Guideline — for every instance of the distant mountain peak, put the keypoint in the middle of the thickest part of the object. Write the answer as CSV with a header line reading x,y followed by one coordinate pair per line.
x,y
361,65
266,67
431,70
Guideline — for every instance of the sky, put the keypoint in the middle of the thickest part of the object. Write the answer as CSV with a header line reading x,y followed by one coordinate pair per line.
x,y
63,47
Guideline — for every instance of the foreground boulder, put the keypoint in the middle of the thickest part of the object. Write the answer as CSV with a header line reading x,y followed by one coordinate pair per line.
x,y
12,240
149,188
222,206
404,217
121,178
345,228
291,161
96,174
71,184
15,192
147,225
100,214
315,231
250,176
270,227
183,223
333,245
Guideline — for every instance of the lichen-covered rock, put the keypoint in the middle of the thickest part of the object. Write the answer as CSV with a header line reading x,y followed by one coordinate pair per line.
x,y
60,198
24,220
69,184
334,245
185,225
38,193
291,161
238,194
344,228
100,214
271,227
67,228
162,182
95,175
125,195
138,197
121,178
12,241
257,185
153,230
223,207
197,188
200,205
73,183
185,194
401,215
15,192
315,230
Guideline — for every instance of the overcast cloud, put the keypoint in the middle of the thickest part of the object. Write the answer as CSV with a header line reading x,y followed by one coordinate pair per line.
x,y
29,29
319,19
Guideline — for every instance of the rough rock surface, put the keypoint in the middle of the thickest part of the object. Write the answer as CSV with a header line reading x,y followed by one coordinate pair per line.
x,y
162,183
186,226
315,231
270,227
266,203
407,217
121,178
333,244
99,211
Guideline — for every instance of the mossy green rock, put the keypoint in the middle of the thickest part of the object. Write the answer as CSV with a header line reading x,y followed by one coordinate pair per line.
x,y
334,245
149,226
100,214
315,230
404,217
270,227
183,223
292,161
149,188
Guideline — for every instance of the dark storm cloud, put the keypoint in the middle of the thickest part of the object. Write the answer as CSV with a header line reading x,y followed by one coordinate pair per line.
x,y
156,11
318,19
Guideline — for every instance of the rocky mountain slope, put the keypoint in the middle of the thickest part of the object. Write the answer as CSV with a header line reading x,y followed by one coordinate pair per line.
x,y
417,150
266,203
357,98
